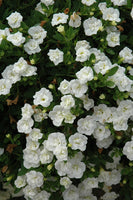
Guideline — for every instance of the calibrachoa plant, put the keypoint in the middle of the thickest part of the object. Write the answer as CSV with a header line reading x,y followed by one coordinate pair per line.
x,y
66,91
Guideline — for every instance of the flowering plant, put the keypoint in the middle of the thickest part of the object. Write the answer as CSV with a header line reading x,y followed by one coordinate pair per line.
x,y
66,93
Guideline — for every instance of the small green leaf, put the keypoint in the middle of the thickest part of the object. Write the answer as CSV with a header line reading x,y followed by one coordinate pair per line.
x,y
110,83
112,71
110,51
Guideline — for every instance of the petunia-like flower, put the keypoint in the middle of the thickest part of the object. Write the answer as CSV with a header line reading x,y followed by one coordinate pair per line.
x,y
56,56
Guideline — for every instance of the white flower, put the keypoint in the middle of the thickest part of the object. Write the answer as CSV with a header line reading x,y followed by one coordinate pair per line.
x,y
71,193
128,150
24,125
82,43
39,115
88,2
20,181
27,111
120,123
3,33
20,66
85,74
86,125
67,101
82,54
31,158
43,195
39,8
32,47
127,55
30,192
57,115
62,167
46,156
35,134
66,182
101,113
110,177
61,153
88,103
119,2
77,168
113,39
59,18
105,143
92,26
78,141
110,196
69,118
32,145
29,71
55,140
125,108
37,33
101,132
102,66
56,56
131,13
75,20
64,87
43,97
78,89
16,39
15,19
1,151
5,86
34,179
111,14
102,6
9,74
91,183
48,2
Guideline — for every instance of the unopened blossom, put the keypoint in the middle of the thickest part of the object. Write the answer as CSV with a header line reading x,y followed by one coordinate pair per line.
x,y
75,20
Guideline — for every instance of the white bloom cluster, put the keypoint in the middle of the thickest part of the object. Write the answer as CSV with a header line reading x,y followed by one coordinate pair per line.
x,y
61,148
24,125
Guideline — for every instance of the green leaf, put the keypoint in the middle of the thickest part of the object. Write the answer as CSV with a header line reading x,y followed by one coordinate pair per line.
x,y
131,183
110,83
129,3
112,71
110,51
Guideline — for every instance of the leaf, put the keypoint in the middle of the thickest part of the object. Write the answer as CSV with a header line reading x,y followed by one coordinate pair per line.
x,y
110,83
129,3
112,71
131,183
110,51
